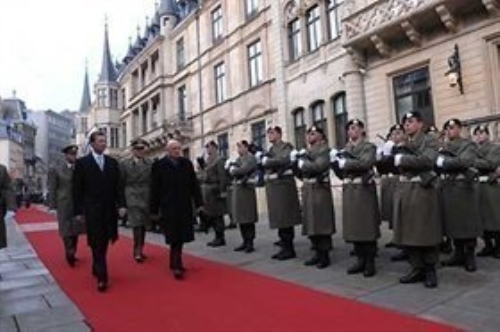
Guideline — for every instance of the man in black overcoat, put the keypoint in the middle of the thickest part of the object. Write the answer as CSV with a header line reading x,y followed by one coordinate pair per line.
x,y
98,198
175,194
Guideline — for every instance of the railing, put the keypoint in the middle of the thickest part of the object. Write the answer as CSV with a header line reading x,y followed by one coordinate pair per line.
x,y
182,122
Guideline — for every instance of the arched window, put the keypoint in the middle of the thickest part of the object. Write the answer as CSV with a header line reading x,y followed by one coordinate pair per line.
x,y
318,116
299,128
340,116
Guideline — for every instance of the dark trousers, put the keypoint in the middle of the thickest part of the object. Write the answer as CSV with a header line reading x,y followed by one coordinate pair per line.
x,y
70,245
423,256
218,224
99,264
286,236
176,256
366,249
139,234
321,243
247,232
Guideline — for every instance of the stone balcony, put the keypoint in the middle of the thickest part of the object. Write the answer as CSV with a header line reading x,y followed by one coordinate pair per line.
x,y
492,122
182,123
380,26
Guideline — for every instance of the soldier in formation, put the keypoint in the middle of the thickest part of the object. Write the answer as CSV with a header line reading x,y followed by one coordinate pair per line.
x,y
7,204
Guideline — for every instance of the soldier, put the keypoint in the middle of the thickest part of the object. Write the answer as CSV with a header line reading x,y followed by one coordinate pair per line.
x,y
489,191
60,186
360,213
214,182
244,198
459,195
416,219
7,204
136,178
318,215
281,192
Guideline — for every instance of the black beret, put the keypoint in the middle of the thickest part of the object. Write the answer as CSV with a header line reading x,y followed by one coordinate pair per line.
x,y
410,115
452,122
396,127
139,142
432,129
354,122
72,148
481,129
276,129
211,143
316,129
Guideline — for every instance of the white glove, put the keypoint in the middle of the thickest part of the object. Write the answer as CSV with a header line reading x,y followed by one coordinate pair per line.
x,y
264,160
302,152
301,163
379,153
122,212
387,148
258,155
228,163
333,155
342,162
293,155
397,159
10,215
53,211
440,161
232,169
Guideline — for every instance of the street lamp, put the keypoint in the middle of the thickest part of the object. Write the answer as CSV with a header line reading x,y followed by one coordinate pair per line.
x,y
454,73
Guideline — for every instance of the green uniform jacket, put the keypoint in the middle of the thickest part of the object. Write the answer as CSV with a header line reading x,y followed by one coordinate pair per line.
x,y
136,179
318,215
7,202
360,210
214,182
460,197
417,216
489,186
244,198
281,191
60,186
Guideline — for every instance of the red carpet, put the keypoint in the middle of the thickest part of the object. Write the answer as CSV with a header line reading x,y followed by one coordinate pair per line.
x,y
214,297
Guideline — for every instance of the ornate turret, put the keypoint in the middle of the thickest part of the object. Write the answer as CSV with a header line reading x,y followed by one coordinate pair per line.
x,y
108,73
169,15
86,102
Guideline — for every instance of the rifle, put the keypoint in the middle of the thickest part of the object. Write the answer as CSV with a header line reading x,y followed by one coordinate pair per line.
x,y
427,177
470,173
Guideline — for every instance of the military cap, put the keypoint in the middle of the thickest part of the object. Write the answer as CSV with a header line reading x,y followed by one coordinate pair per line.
x,y
409,115
211,143
316,129
452,122
354,122
481,129
139,143
70,149
396,127
276,129
432,129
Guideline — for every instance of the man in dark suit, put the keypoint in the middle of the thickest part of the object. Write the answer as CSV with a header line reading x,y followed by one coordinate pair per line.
x,y
98,198
175,191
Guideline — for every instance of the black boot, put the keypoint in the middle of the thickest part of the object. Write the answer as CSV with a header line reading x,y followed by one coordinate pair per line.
x,y
415,275
287,252
470,258
458,257
370,270
324,259
488,248
249,247
358,267
445,247
313,260
241,247
219,240
136,231
430,276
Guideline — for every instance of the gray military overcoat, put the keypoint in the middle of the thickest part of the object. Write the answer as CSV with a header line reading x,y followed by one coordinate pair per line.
x,y
281,190
214,182
318,215
244,199
489,186
361,214
136,179
7,202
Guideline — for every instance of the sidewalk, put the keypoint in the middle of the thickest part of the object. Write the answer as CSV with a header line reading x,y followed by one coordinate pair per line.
x,y
30,299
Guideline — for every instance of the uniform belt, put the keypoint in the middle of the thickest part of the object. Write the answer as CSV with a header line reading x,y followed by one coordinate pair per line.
x,y
314,180
387,176
414,179
274,176
352,180
453,177
248,181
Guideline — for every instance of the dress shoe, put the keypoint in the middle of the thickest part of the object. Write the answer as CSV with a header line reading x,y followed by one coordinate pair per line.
x,y
400,256
358,267
139,258
241,247
314,260
430,278
218,242
102,286
415,275
178,274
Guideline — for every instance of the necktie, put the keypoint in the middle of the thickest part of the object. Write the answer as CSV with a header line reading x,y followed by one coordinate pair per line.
x,y
100,161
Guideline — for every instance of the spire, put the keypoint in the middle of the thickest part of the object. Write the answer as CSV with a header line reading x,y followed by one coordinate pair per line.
x,y
168,8
108,73
85,103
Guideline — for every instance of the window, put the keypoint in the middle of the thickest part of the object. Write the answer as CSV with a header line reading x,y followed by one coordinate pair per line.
x,y
182,99
313,25
101,97
300,128
259,134
334,24
251,8
181,61
144,120
220,82
255,63
217,28
114,98
84,127
294,39
318,116
412,92
223,143
340,115
124,134
114,141
155,58
154,116
123,96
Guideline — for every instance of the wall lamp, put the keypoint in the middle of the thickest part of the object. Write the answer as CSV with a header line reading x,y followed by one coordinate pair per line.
x,y
454,73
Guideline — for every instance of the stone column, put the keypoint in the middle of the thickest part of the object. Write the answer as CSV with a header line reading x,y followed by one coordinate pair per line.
x,y
355,95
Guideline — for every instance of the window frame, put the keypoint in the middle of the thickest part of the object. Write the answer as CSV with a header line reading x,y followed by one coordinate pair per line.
x,y
333,15
259,134
217,24
294,39
220,82
340,116
223,143
255,63
299,127
314,28
182,102
251,8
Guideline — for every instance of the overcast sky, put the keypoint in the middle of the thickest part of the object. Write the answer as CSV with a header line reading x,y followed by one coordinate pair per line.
x,y
44,45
